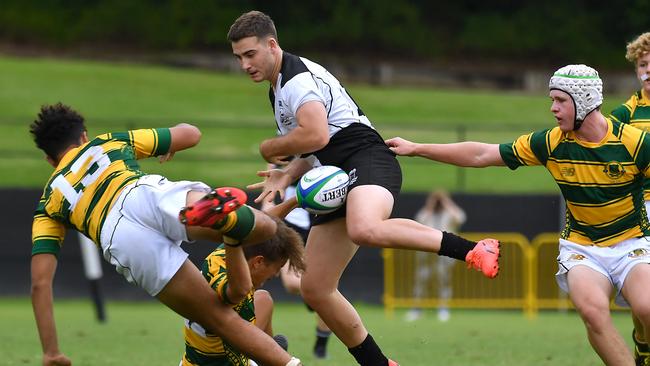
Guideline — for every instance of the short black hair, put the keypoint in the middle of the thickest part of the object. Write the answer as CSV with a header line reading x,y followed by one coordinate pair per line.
x,y
57,127
252,24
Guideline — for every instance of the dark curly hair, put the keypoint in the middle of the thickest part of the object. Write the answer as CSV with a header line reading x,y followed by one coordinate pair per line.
x,y
57,127
285,245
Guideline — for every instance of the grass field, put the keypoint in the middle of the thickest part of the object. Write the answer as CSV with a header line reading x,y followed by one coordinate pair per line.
x,y
146,333
235,116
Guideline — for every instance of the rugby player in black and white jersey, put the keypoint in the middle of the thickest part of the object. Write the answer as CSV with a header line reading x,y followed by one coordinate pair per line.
x,y
317,117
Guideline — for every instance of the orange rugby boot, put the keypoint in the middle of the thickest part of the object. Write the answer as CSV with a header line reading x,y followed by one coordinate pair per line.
x,y
485,257
213,207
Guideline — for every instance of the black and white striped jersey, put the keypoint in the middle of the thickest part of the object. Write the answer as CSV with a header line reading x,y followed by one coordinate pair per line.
x,y
301,81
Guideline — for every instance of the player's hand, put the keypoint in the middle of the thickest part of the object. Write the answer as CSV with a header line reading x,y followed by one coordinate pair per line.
x,y
401,146
275,182
166,157
58,359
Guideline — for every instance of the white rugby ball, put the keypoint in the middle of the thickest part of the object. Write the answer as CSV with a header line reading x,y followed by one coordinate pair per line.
x,y
323,189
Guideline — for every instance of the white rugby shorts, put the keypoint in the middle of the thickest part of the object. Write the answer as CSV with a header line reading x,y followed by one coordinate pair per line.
x,y
613,262
141,236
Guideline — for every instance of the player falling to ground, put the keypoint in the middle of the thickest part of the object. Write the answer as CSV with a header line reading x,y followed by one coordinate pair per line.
x,y
636,112
600,166
98,189
316,116
237,275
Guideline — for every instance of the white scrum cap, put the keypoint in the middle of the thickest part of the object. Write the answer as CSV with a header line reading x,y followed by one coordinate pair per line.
x,y
584,86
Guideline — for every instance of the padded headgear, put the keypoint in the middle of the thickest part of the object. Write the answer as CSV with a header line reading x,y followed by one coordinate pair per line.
x,y
584,86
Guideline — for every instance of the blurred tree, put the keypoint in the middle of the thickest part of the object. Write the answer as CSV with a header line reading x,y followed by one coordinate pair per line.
x,y
515,31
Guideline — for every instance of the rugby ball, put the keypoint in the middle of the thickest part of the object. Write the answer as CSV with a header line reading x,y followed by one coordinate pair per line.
x,y
323,189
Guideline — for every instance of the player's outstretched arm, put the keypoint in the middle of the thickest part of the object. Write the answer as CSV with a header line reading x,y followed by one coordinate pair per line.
x,y
281,210
467,154
277,180
43,268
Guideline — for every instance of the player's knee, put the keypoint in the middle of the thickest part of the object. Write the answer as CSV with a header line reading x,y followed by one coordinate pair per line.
x,y
642,312
594,316
263,300
364,234
311,293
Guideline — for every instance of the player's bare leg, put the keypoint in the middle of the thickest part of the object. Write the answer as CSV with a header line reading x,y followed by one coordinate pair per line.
x,y
368,211
589,291
264,311
291,282
327,253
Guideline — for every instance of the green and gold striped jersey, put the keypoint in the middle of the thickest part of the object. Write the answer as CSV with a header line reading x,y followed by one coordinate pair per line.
x,y
636,112
602,183
203,348
83,187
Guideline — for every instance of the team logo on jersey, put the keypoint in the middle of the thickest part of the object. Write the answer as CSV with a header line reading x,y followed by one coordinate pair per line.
x,y
614,169
637,253
284,119
568,171
353,176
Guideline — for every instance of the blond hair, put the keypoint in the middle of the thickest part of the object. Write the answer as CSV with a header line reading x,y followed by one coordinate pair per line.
x,y
639,47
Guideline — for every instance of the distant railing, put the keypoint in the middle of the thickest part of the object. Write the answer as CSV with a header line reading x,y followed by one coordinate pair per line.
x,y
526,278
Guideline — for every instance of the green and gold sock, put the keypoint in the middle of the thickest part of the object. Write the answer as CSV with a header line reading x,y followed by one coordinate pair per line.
x,y
238,224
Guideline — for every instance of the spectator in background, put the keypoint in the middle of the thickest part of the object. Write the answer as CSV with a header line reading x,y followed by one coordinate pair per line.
x,y
441,212
599,165
636,112
300,220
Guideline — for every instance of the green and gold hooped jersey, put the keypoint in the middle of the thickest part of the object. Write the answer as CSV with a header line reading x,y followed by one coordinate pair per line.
x,y
81,191
636,112
203,348
602,183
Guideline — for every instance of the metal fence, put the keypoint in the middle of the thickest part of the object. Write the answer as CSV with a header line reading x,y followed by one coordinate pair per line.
x,y
526,278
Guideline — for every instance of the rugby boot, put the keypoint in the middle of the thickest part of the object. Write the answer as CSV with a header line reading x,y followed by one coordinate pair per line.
x,y
213,207
485,257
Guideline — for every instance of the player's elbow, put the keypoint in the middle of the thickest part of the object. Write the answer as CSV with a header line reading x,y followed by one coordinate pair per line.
x,y
319,140
193,134
185,135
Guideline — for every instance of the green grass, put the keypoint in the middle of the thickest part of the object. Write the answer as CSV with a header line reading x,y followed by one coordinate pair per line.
x,y
235,116
147,333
